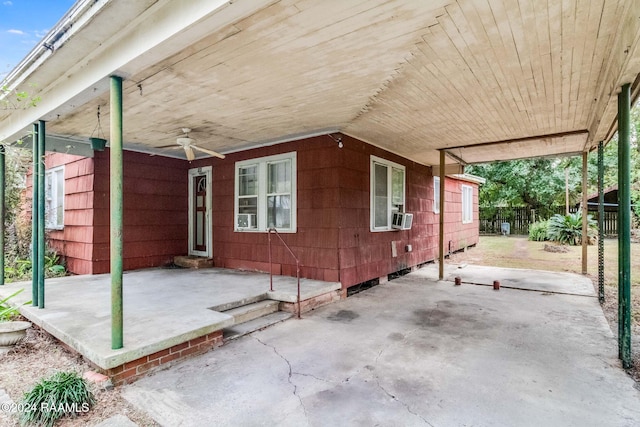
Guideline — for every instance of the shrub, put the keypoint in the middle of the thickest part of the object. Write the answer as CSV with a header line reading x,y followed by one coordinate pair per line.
x,y
20,269
567,229
62,394
538,231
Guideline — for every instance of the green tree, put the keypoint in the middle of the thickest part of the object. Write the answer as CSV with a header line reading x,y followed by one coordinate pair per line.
x,y
17,162
540,183
18,232
13,99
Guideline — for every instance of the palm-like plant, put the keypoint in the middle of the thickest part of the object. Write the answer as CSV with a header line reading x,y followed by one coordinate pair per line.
x,y
567,229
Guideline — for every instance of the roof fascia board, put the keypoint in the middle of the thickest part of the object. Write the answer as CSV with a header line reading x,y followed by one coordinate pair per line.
x,y
160,32
73,21
469,178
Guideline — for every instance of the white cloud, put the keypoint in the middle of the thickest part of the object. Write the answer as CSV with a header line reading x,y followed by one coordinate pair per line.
x,y
7,3
14,31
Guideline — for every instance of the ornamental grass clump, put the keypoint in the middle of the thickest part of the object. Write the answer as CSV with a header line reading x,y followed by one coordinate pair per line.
x,y
7,312
62,394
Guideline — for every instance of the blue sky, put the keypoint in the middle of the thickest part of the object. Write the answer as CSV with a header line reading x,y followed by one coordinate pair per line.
x,y
23,23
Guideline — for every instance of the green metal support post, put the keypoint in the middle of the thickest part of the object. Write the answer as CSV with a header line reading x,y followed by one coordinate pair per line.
x,y
41,207
585,212
624,227
116,207
34,216
441,219
2,210
601,222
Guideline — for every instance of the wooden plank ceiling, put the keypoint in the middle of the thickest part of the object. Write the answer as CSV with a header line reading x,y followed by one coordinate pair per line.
x,y
515,78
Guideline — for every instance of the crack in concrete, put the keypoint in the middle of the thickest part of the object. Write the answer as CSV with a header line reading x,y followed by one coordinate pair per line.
x,y
375,361
295,387
346,380
404,339
406,406
302,374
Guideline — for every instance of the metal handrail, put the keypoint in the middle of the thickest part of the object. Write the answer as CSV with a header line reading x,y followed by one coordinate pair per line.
x,y
271,265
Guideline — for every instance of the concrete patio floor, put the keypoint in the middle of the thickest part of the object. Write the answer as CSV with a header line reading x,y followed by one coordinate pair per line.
x,y
413,351
162,307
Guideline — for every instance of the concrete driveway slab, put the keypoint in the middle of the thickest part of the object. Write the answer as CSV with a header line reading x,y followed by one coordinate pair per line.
x,y
517,278
410,352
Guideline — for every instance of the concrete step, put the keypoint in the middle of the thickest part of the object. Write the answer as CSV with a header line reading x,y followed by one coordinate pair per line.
x,y
239,303
237,331
191,261
253,311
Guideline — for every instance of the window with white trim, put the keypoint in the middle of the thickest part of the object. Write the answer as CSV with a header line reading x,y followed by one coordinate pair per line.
x,y
436,194
467,204
54,198
265,193
387,192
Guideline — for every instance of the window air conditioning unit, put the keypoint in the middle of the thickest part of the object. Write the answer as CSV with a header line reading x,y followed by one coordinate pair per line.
x,y
402,221
246,220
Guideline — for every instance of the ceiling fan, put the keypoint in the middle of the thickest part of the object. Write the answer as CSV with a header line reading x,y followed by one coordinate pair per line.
x,y
189,144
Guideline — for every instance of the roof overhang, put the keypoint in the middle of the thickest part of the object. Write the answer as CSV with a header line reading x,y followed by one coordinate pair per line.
x,y
469,178
482,81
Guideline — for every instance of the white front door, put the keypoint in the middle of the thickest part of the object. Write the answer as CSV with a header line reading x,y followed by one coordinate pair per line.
x,y
200,230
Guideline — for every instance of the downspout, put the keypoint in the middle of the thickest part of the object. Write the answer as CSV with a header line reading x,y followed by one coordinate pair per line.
x,y
41,205
34,217
116,208
624,227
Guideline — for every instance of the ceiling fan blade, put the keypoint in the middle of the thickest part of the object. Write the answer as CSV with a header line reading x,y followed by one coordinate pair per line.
x,y
211,152
189,152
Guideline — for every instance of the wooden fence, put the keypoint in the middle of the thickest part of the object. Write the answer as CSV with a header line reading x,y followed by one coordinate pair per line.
x,y
519,218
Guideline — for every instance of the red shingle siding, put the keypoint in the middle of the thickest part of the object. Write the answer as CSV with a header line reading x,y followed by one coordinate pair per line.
x,y
316,240
74,241
155,210
366,255
155,216
333,239
460,235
